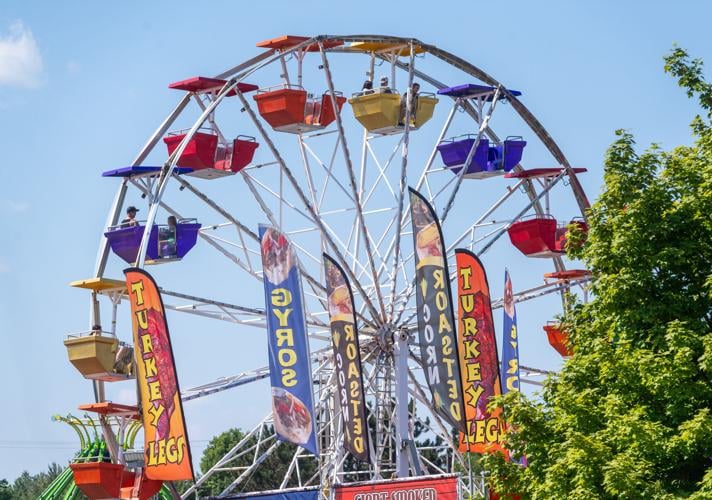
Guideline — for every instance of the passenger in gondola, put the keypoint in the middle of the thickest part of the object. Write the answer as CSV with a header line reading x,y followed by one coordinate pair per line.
x,y
367,87
167,238
130,219
413,103
383,87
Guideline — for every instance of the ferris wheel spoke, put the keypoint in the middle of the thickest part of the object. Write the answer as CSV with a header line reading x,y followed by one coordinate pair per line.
x,y
224,384
352,180
433,153
330,175
338,255
246,266
381,170
314,283
282,200
329,171
241,228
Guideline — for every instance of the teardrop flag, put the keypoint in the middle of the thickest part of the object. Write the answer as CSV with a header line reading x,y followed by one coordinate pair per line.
x,y
347,359
166,445
288,344
436,320
478,357
510,342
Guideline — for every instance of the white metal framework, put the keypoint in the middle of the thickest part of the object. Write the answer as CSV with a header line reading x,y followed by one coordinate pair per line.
x,y
341,190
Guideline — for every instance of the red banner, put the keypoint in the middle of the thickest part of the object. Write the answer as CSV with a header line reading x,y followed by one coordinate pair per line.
x,y
166,448
427,488
479,364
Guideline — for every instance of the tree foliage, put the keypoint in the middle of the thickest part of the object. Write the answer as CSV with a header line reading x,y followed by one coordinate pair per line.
x,y
5,490
629,416
29,486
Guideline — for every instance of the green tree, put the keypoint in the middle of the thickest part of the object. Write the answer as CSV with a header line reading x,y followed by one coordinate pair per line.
x,y
5,490
267,476
29,487
628,416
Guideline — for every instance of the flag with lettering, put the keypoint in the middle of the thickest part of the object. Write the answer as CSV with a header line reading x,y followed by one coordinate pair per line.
x,y
478,357
166,446
288,344
436,319
347,359
510,342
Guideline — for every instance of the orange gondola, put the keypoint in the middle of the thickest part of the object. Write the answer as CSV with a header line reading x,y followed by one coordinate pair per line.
x,y
288,108
558,338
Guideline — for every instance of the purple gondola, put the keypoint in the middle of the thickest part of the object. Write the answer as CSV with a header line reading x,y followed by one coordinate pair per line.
x,y
507,155
125,242
488,160
454,153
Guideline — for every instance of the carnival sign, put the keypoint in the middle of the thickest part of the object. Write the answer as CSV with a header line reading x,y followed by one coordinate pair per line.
x,y
479,363
436,320
347,359
166,446
510,342
426,488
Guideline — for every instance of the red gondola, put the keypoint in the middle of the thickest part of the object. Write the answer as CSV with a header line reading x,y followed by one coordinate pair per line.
x,y
541,235
207,158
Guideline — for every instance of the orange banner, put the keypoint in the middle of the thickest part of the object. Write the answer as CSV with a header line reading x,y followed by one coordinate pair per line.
x,y
166,447
477,349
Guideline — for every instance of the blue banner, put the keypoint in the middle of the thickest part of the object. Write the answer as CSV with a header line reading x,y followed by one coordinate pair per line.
x,y
510,342
289,363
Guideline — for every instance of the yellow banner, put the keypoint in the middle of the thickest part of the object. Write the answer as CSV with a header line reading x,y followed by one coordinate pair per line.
x,y
166,447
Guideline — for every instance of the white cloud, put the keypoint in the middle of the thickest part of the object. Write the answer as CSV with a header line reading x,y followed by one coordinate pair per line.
x,y
20,59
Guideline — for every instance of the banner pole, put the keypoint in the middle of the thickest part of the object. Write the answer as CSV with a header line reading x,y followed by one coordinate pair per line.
x,y
400,353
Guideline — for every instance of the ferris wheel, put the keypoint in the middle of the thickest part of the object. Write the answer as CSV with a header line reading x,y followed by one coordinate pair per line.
x,y
321,137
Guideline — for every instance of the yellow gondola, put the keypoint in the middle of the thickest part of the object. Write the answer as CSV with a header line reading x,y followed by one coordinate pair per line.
x,y
100,357
379,112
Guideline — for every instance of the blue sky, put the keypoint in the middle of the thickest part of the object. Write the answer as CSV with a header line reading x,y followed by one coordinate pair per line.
x,y
82,85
